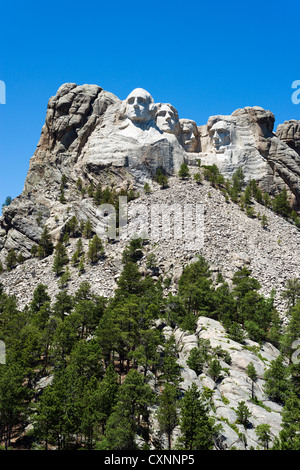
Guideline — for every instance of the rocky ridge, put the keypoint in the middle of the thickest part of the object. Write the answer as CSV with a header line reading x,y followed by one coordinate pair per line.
x,y
78,141
231,240
92,135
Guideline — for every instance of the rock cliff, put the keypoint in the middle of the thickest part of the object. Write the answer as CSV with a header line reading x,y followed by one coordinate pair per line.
x,y
289,132
91,139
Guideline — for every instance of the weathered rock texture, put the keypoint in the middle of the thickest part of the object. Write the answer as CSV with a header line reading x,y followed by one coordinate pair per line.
x,y
231,240
289,132
249,142
91,134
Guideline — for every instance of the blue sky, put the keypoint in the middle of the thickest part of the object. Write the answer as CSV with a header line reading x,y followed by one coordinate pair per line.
x,y
205,58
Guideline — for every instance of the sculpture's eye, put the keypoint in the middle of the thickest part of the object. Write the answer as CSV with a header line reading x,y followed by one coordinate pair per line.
x,y
162,113
131,100
142,100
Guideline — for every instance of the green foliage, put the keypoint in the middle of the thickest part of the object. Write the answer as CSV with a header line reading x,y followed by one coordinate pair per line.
x,y
167,413
215,369
11,260
129,412
243,414
196,360
88,229
184,171
60,259
77,255
12,400
292,292
247,195
102,352
161,178
212,174
195,288
263,433
7,202
281,204
95,250
197,428
45,247
250,212
133,252
198,177
290,433
170,368
147,188
264,221
277,385
72,227
238,179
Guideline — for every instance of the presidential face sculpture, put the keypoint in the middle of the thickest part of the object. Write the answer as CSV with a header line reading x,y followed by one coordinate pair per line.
x,y
167,118
139,106
189,135
220,136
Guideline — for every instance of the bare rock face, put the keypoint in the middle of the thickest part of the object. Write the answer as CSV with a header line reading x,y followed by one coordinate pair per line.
x,y
72,115
289,132
135,134
246,139
91,134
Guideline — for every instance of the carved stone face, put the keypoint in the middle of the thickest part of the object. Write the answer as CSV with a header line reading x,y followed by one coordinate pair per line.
x,y
189,135
220,136
139,106
167,118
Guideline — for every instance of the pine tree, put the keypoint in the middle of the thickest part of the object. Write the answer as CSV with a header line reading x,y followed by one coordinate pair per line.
x,y
184,171
77,253
60,259
238,179
11,260
195,360
196,427
161,178
45,245
95,250
170,368
198,178
277,384
252,374
147,188
247,195
88,229
98,195
292,292
281,204
168,413
290,432
81,267
243,414
133,399
263,433
12,400
215,369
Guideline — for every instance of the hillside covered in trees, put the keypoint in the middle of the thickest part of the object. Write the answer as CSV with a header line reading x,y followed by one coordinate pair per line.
x,y
87,372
